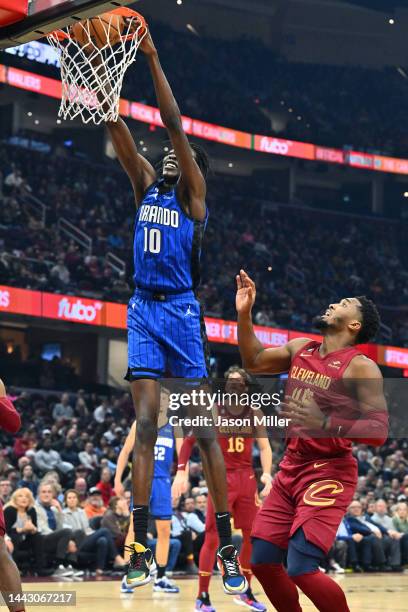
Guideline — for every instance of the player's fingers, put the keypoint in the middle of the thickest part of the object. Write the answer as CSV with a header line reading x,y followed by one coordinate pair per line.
x,y
247,279
239,281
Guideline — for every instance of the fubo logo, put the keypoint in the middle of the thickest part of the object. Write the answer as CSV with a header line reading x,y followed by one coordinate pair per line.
x,y
76,310
273,145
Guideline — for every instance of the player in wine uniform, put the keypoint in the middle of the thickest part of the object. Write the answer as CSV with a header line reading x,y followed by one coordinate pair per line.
x,y
236,443
166,330
334,394
10,582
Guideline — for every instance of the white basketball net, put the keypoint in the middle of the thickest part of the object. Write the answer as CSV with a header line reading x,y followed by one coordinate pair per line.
x,y
91,75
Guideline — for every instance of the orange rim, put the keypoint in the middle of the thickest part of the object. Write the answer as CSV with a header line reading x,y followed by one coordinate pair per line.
x,y
124,11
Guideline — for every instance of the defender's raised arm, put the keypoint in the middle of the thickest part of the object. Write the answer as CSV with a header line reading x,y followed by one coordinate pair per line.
x,y
255,358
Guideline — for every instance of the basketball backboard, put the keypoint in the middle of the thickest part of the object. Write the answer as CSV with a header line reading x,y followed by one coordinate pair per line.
x,y
36,18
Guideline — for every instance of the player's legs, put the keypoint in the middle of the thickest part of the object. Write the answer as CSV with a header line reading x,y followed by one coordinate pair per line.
x,y
130,537
162,583
267,565
270,539
315,526
146,363
187,359
10,582
304,559
146,399
207,559
163,544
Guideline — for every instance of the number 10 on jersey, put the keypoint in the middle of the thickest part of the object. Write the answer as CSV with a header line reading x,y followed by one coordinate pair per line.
x,y
152,240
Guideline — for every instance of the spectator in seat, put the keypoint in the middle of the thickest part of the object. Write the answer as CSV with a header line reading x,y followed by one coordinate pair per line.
x,y
181,531
5,490
116,519
390,537
55,538
363,540
97,543
88,458
60,274
81,489
94,506
28,479
69,452
400,522
196,526
101,411
105,486
49,459
63,410
201,507
21,525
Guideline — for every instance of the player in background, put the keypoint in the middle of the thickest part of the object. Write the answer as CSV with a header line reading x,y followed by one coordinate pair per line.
x,y
160,499
166,329
237,443
332,390
10,582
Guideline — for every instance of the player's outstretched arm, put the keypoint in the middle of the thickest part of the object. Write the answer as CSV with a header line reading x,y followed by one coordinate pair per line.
x,y
192,185
255,358
140,172
123,459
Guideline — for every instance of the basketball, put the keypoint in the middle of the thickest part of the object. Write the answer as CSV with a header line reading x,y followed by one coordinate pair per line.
x,y
102,30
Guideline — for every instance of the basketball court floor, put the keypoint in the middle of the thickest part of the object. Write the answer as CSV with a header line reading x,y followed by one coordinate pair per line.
x,y
367,593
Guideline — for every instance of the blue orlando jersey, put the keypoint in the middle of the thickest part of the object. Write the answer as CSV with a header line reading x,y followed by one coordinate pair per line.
x,y
164,452
167,243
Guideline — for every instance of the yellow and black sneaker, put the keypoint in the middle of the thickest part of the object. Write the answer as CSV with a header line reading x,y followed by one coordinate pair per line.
x,y
141,565
234,581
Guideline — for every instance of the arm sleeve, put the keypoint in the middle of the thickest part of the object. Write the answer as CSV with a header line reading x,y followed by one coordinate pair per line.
x,y
185,452
372,428
9,418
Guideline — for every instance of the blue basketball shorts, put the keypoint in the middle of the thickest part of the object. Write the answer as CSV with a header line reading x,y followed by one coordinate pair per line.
x,y
166,335
160,499
160,506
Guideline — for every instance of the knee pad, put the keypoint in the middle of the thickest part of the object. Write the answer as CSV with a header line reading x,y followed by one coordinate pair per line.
x,y
303,556
266,552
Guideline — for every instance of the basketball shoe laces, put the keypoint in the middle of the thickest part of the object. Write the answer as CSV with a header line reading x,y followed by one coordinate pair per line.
x,y
232,567
136,559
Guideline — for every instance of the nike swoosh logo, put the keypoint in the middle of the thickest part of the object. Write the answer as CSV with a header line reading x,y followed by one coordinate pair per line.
x,y
317,465
222,515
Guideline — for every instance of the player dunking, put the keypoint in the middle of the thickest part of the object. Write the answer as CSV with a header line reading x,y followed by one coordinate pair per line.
x,y
332,390
236,442
165,324
10,583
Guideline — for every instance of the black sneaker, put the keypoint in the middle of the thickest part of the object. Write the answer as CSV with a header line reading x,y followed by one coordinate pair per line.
x,y
233,580
141,565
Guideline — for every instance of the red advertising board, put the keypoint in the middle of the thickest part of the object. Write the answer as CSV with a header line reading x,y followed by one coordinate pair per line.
x,y
288,148
392,356
332,156
77,309
20,301
225,332
31,81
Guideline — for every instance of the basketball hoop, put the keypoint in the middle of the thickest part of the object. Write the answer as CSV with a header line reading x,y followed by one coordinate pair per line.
x,y
94,56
